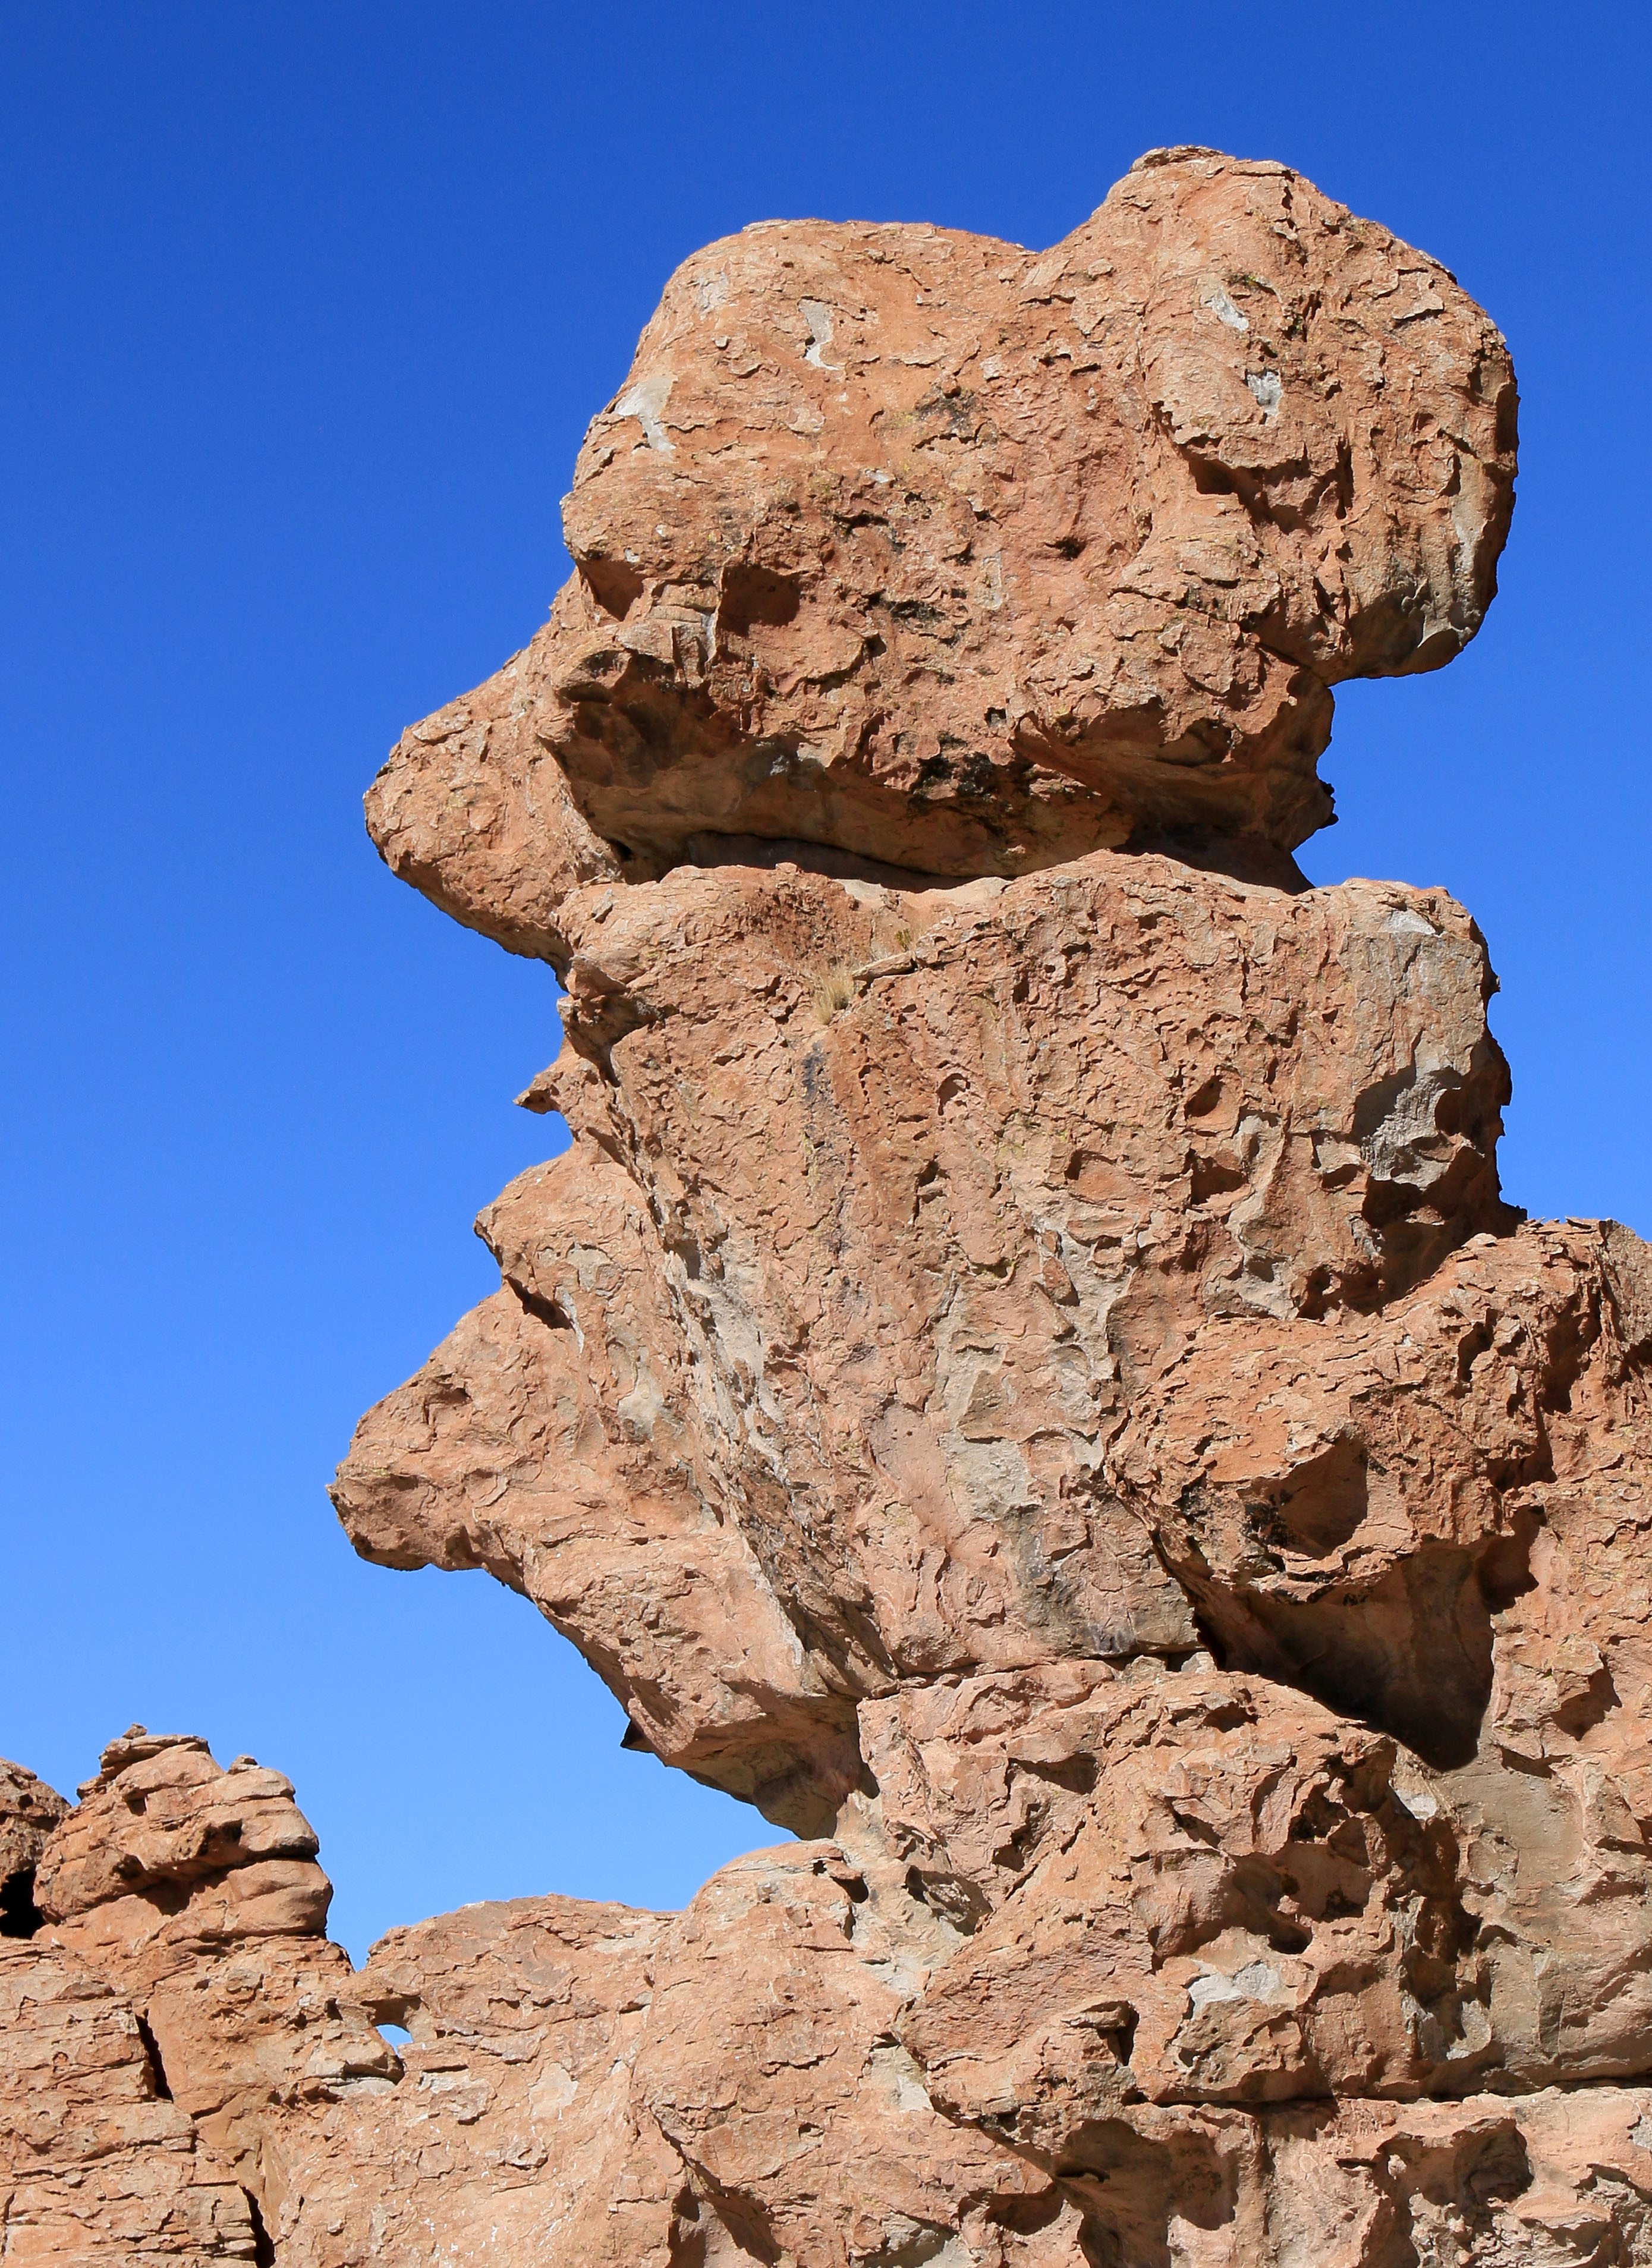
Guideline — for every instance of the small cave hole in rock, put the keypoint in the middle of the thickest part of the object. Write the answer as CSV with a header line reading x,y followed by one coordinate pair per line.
x,y
1320,1504
19,1916
756,595
1216,1177
1408,1654
614,584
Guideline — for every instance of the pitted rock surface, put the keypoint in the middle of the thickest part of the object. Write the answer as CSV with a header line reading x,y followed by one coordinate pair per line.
x,y
1024,1372
901,549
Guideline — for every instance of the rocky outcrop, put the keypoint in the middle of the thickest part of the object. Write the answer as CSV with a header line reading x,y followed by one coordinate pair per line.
x,y
902,549
96,2164
886,1227
1024,1372
810,2064
29,1810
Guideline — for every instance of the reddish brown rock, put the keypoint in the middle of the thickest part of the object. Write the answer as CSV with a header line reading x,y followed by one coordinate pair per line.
x,y
884,1213
28,1812
1025,1372
94,2164
589,2084
916,547
1025,1294
194,1891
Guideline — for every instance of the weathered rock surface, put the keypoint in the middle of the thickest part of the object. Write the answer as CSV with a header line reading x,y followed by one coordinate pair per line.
x,y
914,548
29,1810
94,2165
886,1212
779,2075
1079,1313
1025,1372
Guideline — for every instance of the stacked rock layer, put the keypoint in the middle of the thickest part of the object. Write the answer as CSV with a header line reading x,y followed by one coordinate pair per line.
x,y
1024,1371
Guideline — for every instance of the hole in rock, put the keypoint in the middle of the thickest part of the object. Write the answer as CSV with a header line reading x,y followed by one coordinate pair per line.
x,y
1409,1655
1076,1773
156,2068
711,847
756,595
1137,2192
1215,1177
542,1310
1318,1506
397,2034
1120,2037
614,584
19,1916
1508,419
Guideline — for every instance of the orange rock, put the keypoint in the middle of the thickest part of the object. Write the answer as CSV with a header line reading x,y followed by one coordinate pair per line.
x,y
886,1212
919,548
28,1812
94,2164
1025,1372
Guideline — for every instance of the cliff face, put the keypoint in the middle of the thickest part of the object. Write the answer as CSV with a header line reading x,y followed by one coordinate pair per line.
x,y
1024,1372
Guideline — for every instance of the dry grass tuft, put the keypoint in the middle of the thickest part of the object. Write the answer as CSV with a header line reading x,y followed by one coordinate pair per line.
x,y
835,992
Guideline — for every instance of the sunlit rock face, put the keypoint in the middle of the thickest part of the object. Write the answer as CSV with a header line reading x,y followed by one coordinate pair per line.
x,y
906,551
1024,1371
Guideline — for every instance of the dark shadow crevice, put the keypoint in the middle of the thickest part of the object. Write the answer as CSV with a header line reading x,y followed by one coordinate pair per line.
x,y
19,1916
1409,1653
263,2246
156,2068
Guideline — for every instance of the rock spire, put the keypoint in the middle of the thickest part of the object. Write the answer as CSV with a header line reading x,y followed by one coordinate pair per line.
x,y
1024,1371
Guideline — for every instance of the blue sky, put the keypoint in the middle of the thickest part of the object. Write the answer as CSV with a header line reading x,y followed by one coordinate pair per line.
x,y
305,311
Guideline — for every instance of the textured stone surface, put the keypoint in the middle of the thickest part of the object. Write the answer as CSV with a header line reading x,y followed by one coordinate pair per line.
x,y
920,549
886,1214
194,1893
1083,1311
94,2165
776,2076
28,1812
1024,1372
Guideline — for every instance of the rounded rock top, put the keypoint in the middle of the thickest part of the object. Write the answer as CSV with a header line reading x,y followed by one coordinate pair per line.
x,y
902,552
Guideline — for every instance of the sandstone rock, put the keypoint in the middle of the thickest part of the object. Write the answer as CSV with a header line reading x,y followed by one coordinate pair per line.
x,y
885,1212
1081,1312
771,2063
590,2084
28,1812
94,2165
1025,1372
907,547
195,1892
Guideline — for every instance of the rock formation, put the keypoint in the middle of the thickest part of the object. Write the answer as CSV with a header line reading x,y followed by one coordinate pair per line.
x,y
1024,1373
955,559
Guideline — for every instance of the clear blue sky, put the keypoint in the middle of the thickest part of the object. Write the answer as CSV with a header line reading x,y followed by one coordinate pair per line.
x,y
305,309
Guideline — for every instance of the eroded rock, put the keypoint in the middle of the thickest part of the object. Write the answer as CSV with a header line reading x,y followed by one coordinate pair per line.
x,y
904,548
1025,1372
94,2164
28,1812
886,1212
